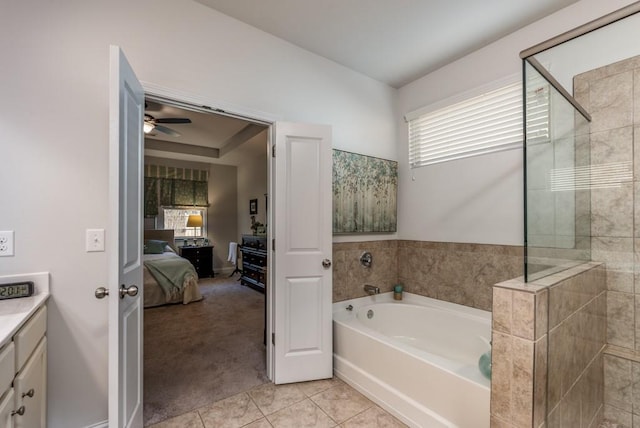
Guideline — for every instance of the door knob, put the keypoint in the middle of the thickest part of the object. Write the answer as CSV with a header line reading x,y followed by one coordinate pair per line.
x,y
326,263
101,293
131,291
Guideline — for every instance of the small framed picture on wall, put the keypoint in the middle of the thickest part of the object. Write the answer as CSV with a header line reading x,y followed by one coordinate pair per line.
x,y
253,206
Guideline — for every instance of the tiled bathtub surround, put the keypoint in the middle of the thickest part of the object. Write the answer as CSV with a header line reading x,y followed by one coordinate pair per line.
x,y
612,96
562,315
457,273
349,276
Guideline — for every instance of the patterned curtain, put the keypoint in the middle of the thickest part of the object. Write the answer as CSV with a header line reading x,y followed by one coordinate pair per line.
x,y
150,196
183,192
169,186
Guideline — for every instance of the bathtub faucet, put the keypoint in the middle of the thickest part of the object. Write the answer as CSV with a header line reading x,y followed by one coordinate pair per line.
x,y
371,289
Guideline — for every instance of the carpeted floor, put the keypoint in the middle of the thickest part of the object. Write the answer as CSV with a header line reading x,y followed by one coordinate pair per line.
x,y
202,352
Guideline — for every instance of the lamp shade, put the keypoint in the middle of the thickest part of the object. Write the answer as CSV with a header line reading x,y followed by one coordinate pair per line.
x,y
194,220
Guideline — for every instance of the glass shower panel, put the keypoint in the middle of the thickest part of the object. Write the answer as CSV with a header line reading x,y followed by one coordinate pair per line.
x,y
557,176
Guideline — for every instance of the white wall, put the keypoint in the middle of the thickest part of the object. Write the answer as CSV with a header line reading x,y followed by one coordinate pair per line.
x,y
478,199
222,213
54,145
252,184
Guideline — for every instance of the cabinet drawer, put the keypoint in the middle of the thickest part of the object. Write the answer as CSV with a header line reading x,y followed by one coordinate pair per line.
x,y
6,407
28,337
30,387
7,367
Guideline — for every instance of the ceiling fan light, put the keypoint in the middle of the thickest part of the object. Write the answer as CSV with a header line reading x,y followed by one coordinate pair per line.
x,y
148,127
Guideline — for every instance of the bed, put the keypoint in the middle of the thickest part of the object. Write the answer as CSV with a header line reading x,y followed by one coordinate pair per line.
x,y
168,278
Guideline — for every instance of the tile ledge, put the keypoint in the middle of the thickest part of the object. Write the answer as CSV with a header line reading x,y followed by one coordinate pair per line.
x,y
626,353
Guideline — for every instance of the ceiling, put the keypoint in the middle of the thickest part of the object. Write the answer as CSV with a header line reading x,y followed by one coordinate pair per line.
x,y
392,41
210,137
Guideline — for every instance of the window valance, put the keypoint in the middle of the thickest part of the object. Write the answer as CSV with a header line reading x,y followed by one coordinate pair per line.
x,y
170,186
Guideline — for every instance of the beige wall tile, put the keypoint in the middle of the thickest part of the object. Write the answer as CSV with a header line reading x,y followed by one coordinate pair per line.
x,y
542,314
612,145
540,381
522,382
636,96
617,416
636,145
502,305
501,375
349,276
598,418
557,362
620,319
612,211
635,387
617,383
570,408
592,389
523,319
496,422
612,102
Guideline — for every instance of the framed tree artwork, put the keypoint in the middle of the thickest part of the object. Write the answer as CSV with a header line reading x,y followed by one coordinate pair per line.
x,y
364,193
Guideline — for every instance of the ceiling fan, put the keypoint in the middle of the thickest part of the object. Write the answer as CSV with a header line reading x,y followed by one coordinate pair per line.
x,y
151,123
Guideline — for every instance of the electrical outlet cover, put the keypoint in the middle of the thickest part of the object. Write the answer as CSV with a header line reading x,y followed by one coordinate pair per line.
x,y
6,243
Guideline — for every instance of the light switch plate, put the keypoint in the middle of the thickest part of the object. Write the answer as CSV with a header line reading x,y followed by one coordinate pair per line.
x,y
95,240
6,243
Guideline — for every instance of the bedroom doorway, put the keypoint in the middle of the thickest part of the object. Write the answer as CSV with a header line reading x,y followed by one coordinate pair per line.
x,y
217,342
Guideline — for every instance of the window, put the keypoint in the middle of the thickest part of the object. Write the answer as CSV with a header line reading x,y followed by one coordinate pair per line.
x,y
478,125
176,219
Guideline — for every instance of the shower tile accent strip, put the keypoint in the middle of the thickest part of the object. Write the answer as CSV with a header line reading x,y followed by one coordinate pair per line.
x,y
574,302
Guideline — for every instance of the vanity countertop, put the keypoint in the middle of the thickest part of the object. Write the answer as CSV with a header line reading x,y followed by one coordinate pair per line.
x,y
14,312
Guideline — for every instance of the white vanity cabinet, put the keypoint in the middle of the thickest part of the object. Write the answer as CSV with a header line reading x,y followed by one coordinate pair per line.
x,y
23,375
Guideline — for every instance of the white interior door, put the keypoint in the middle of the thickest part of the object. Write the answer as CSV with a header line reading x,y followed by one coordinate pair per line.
x,y
302,293
124,241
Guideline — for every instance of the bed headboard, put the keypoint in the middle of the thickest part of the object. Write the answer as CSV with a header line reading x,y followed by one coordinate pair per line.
x,y
161,235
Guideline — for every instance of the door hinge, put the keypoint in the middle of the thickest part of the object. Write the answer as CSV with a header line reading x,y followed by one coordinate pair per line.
x,y
273,244
273,150
273,339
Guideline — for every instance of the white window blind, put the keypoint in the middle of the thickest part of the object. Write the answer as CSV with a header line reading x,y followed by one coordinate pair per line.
x,y
538,110
483,124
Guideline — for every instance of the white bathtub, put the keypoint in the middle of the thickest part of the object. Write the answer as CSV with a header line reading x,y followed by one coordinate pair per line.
x,y
417,358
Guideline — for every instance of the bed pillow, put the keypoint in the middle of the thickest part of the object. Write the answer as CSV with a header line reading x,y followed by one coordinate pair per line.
x,y
153,246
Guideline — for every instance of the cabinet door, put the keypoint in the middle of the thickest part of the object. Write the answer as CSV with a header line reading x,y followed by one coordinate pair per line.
x,y
30,387
6,407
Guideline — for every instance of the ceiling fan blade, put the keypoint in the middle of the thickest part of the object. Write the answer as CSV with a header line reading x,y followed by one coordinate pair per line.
x,y
167,131
173,120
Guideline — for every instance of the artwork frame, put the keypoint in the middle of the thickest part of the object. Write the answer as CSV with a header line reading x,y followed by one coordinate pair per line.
x,y
253,206
364,194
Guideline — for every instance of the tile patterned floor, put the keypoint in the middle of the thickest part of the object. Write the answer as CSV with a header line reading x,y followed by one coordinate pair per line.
x,y
324,403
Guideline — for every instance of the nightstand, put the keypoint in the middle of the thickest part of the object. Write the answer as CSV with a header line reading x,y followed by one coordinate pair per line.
x,y
201,257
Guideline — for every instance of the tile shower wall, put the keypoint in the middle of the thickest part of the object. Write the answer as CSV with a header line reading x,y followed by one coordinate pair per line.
x,y
548,341
458,273
612,95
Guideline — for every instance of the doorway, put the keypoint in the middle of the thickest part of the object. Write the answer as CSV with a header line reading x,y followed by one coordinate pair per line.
x,y
206,350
